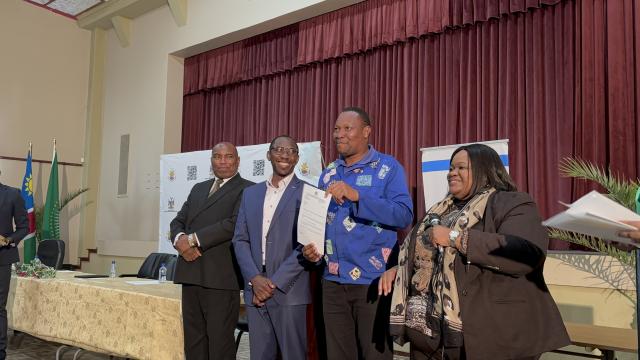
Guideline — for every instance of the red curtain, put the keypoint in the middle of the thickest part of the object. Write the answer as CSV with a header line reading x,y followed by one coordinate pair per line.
x,y
354,29
556,81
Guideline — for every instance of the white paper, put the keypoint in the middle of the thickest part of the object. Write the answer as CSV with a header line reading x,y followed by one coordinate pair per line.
x,y
143,282
596,215
312,218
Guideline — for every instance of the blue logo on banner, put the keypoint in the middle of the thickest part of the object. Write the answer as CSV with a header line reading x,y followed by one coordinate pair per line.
x,y
443,165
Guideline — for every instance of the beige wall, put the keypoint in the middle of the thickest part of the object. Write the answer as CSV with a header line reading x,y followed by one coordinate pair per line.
x,y
44,64
143,98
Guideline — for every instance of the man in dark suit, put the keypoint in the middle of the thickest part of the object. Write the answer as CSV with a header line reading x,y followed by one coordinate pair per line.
x,y
206,267
11,211
276,288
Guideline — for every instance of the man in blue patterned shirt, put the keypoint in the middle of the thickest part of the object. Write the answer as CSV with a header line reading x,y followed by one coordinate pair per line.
x,y
370,202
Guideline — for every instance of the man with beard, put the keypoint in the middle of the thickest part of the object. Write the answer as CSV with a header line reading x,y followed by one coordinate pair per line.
x,y
276,290
202,232
370,202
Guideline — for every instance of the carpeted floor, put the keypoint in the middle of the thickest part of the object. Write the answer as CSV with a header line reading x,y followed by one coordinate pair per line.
x,y
26,347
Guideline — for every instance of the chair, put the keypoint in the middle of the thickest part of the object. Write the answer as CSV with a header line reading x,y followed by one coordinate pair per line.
x,y
51,253
171,268
151,266
242,326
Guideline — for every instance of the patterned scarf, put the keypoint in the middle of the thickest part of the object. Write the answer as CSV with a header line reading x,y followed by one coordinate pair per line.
x,y
437,298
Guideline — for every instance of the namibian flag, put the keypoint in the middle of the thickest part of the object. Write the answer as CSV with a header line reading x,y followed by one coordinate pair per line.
x,y
29,241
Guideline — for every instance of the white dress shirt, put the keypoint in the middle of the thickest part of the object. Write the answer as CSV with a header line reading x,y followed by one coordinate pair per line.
x,y
271,201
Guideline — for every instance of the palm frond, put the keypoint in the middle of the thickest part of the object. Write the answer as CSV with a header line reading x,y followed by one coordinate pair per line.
x,y
594,243
70,196
39,210
621,190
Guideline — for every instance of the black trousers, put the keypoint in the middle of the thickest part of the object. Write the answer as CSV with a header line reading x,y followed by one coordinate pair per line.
x,y
356,322
5,278
209,318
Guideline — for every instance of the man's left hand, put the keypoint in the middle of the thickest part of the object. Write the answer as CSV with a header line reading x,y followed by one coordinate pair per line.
x,y
4,241
342,192
257,302
191,254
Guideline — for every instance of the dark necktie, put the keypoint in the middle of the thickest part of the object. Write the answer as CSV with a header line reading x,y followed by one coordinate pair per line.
x,y
216,186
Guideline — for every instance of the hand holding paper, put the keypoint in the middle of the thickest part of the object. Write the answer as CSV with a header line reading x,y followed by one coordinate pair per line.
x,y
312,218
631,234
596,215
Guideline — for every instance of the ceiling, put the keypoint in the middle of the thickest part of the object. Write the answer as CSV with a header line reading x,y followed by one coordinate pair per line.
x,y
69,8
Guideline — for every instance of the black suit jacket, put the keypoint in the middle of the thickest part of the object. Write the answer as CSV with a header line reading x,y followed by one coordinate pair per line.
x,y
213,219
12,210
506,308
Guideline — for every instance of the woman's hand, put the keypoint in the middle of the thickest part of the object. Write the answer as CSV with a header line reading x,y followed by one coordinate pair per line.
x,y
631,234
439,235
385,285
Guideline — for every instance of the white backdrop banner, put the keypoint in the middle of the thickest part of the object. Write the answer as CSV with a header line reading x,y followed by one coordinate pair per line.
x,y
179,172
435,166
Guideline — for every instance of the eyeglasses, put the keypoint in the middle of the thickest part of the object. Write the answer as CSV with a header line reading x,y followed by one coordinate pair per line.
x,y
283,150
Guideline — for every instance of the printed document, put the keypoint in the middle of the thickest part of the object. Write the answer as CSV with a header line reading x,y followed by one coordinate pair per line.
x,y
596,215
312,218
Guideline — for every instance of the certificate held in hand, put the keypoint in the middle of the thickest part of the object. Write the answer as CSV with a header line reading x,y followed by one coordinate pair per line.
x,y
312,218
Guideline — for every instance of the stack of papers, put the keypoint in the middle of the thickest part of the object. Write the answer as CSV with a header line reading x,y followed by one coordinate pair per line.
x,y
596,215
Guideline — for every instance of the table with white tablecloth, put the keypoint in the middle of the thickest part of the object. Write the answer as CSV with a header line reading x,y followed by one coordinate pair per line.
x,y
107,315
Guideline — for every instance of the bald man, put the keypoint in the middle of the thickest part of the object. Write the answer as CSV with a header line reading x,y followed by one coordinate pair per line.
x,y
202,232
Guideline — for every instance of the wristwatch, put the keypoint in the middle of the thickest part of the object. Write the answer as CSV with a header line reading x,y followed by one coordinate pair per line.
x,y
192,240
453,236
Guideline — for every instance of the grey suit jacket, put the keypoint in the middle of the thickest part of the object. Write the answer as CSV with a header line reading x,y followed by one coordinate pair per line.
x,y
12,210
213,220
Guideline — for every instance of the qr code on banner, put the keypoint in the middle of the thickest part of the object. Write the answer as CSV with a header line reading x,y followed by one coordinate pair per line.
x,y
192,173
258,167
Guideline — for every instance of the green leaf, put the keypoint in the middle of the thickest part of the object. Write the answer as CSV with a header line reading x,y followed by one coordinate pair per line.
x,y
621,190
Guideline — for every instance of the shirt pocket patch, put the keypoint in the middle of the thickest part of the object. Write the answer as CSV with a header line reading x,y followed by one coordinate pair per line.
x,y
364,180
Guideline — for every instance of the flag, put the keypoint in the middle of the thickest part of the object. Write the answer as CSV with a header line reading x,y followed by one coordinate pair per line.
x,y
51,217
29,241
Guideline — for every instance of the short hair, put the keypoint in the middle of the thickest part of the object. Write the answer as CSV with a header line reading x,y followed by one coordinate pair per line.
x,y
225,143
361,113
282,137
487,169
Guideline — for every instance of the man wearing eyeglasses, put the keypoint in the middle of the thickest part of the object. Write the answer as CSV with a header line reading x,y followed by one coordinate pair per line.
x,y
202,232
276,289
370,202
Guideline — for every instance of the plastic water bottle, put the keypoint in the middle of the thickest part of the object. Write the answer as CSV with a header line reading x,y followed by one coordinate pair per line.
x,y
14,269
112,272
162,273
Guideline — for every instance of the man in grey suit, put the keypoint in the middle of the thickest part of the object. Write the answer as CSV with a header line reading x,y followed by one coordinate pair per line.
x,y
206,268
276,289
11,211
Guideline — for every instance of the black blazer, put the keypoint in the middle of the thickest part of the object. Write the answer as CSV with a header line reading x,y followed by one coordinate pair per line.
x,y
506,308
213,219
12,210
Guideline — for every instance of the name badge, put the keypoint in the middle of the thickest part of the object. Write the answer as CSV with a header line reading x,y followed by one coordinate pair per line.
x,y
363,180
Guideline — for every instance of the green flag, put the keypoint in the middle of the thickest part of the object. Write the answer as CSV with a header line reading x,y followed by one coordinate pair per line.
x,y
51,217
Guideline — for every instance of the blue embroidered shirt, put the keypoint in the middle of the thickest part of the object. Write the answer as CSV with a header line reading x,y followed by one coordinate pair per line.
x,y
360,235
